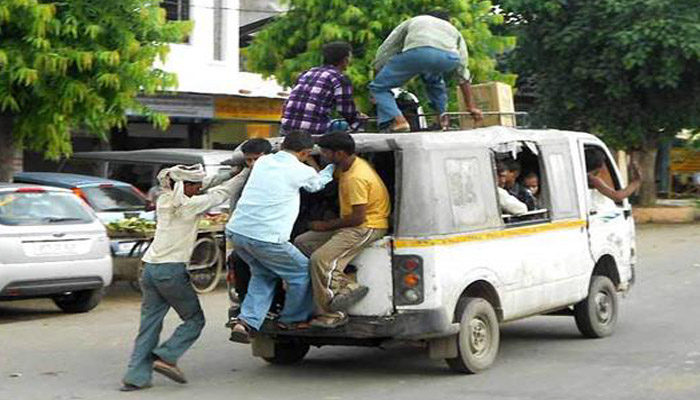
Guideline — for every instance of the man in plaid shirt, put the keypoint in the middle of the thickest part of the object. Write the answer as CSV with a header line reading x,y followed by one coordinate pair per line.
x,y
319,91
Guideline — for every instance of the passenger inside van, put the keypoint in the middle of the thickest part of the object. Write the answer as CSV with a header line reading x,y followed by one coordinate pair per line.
x,y
509,203
514,186
601,191
532,183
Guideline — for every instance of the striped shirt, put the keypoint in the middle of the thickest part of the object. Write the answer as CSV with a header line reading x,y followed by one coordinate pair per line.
x,y
316,94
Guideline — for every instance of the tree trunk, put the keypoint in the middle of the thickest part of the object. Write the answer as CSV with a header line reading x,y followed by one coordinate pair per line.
x,y
646,157
7,149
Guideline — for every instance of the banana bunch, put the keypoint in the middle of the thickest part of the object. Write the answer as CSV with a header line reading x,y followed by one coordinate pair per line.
x,y
136,226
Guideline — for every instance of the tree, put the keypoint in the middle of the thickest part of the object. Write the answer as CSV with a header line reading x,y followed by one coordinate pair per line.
x,y
292,43
77,64
627,70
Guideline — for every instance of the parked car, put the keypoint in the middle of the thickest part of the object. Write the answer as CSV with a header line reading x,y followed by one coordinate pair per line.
x,y
140,167
52,245
454,265
112,200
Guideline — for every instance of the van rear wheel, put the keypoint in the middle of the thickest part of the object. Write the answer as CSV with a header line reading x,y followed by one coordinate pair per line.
x,y
478,338
287,353
596,315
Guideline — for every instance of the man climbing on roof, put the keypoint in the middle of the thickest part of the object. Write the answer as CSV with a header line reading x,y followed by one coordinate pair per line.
x,y
429,46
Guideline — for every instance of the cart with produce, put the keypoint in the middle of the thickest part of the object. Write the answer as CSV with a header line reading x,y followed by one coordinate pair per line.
x,y
131,237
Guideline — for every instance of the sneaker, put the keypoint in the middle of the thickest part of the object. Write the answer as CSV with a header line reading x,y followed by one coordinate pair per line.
x,y
348,298
170,371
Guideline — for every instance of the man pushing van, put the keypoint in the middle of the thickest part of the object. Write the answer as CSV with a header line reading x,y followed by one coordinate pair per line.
x,y
165,282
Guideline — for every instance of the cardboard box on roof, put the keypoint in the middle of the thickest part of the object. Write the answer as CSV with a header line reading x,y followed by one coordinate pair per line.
x,y
489,97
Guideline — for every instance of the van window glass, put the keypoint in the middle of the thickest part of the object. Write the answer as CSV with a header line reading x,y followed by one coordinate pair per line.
x,y
563,191
468,208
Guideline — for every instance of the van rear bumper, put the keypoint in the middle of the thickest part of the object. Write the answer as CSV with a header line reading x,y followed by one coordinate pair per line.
x,y
408,325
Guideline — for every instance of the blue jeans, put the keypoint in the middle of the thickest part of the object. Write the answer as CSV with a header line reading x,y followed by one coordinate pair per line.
x,y
163,286
268,262
428,62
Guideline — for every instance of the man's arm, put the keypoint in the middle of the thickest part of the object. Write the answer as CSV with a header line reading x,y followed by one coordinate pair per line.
x,y
315,181
510,203
391,46
215,196
357,218
615,195
344,102
466,89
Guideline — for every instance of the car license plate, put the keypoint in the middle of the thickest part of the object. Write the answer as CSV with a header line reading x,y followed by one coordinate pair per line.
x,y
56,248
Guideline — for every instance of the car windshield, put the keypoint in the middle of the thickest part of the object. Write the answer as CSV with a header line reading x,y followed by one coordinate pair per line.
x,y
114,198
42,208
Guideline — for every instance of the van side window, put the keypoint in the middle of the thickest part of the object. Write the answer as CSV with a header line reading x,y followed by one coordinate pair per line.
x,y
521,185
562,185
468,208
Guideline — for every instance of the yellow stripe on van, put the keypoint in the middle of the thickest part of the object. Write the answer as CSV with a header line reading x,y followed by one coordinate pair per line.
x,y
478,237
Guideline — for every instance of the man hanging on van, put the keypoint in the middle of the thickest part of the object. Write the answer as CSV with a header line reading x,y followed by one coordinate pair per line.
x,y
261,226
429,46
364,218
165,282
595,163
321,90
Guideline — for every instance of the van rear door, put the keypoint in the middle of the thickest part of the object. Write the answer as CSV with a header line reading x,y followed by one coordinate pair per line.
x,y
374,271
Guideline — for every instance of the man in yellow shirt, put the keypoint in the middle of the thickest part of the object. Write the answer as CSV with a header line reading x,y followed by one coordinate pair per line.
x,y
364,218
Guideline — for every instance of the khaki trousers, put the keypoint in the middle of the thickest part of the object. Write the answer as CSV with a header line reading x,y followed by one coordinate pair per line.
x,y
330,252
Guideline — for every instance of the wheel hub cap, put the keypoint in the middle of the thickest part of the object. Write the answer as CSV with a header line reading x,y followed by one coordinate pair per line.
x,y
480,338
604,307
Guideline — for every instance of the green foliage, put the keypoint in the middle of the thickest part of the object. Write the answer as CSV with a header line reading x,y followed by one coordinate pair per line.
x,y
292,43
628,70
80,64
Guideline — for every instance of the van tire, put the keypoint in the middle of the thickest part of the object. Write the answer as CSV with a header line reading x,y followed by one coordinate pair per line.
x,y
478,338
80,301
596,315
287,353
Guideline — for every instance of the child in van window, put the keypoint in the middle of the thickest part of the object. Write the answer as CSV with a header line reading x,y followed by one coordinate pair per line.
x,y
531,182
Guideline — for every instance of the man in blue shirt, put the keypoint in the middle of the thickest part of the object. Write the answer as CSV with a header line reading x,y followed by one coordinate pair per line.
x,y
260,229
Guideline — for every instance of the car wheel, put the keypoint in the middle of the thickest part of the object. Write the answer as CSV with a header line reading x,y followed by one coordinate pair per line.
x,y
79,301
478,338
287,353
596,315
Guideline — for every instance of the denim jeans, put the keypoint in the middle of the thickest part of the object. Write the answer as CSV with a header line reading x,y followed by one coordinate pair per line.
x,y
163,286
428,62
268,262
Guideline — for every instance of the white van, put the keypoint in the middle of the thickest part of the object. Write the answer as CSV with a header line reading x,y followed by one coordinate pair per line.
x,y
453,266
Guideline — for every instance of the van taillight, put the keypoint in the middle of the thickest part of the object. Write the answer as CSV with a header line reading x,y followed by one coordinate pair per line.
x,y
408,280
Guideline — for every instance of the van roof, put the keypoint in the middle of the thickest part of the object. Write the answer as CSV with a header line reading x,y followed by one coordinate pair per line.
x,y
488,136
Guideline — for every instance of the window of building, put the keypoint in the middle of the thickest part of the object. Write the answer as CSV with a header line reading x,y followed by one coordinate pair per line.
x,y
176,10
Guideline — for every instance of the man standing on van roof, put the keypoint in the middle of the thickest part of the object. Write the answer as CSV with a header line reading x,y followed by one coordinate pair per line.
x,y
364,218
319,91
429,46
165,282
260,229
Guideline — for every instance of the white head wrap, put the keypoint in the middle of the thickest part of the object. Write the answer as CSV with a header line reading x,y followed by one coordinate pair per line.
x,y
171,180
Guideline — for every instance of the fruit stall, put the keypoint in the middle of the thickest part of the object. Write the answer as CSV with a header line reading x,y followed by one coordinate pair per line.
x,y
131,237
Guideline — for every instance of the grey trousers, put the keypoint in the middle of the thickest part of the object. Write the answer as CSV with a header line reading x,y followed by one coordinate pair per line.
x,y
163,286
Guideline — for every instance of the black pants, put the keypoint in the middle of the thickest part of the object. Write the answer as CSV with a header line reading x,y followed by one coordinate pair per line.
x,y
241,273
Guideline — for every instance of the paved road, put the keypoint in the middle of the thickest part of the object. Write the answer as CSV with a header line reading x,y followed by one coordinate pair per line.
x,y
655,353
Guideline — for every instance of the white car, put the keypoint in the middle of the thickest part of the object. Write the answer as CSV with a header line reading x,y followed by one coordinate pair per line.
x,y
52,245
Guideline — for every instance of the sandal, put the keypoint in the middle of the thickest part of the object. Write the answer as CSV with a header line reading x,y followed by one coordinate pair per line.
x,y
294,326
240,332
330,321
